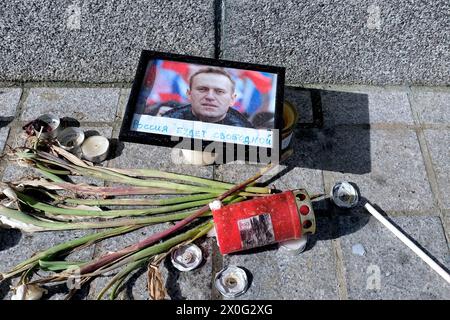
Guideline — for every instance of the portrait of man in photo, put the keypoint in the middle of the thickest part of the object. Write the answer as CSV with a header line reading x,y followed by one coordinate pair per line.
x,y
211,95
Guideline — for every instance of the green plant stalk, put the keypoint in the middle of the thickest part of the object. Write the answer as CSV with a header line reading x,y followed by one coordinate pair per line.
x,y
136,202
63,247
151,173
120,277
97,172
114,256
111,213
140,254
166,245
58,265
140,257
107,174
49,175
148,252
38,225
155,174
54,171
99,191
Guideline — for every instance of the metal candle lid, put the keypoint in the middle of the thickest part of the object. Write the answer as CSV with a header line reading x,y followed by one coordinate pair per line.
x,y
295,246
95,149
345,195
71,138
187,258
47,125
231,281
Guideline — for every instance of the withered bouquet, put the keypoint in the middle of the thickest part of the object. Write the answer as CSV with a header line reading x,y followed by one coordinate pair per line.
x,y
53,202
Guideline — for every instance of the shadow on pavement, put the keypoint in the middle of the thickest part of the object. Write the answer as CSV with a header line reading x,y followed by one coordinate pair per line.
x,y
9,238
326,141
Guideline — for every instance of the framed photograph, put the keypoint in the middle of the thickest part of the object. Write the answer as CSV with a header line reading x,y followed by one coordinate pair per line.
x,y
216,105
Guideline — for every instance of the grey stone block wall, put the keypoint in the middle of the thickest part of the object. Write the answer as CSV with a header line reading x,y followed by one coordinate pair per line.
x,y
326,41
96,40
318,41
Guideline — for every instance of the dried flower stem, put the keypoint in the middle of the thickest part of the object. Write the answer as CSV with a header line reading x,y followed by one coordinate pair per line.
x,y
108,258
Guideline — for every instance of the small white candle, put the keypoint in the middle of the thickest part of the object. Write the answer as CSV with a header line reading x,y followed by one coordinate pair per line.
x,y
95,149
196,157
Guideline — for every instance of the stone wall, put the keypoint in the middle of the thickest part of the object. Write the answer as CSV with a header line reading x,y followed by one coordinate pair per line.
x,y
318,41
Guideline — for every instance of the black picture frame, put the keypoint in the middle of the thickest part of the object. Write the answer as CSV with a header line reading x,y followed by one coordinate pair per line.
x,y
128,135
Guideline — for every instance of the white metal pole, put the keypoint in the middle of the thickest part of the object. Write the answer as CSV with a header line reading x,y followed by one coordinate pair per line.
x,y
444,274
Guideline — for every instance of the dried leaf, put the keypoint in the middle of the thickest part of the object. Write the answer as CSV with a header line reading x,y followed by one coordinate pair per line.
x,y
16,224
28,292
155,283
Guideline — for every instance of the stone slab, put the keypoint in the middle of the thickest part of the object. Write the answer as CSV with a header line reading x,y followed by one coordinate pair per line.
x,y
389,270
76,103
16,247
438,142
300,98
95,41
341,42
396,179
3,137
275,274
432,105
9,100
365,105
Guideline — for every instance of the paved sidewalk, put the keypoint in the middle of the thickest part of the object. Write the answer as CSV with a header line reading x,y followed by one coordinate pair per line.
x,y
393,142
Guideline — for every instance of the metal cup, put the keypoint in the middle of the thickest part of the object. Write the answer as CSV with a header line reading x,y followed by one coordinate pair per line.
x,y
47,126
345,195
70,139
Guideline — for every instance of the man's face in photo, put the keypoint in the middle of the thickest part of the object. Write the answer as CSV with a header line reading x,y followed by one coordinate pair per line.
x,y
211,95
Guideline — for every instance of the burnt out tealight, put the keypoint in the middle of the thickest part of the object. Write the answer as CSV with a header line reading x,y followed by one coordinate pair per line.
x,y
231,281
187,258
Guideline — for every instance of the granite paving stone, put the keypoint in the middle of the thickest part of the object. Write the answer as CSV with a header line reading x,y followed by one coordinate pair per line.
x,y
14,173
300,98
76,103
397,178
277,274
297,171
341,42
431,104
98,42
365,105
349,245
447,223
16,247
438,142
3,137
9,100
123,101
389,269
